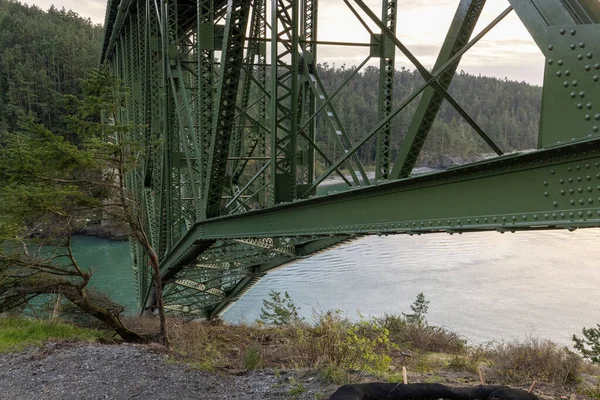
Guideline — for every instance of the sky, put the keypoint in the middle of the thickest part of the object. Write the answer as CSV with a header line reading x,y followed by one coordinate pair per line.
x,y
507,51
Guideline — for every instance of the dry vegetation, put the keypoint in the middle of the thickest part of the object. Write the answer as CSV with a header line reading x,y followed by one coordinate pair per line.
x,y
344,351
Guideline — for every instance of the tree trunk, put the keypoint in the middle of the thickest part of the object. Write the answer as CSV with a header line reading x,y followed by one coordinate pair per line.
x,y
159,296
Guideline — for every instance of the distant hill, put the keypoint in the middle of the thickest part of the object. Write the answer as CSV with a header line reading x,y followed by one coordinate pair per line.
x,y
508,111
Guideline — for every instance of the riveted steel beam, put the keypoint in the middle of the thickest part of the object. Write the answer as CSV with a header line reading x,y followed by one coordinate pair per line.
x,y
226,97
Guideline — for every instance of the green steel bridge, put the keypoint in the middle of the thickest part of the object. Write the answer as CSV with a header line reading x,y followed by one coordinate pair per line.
x,y
227,95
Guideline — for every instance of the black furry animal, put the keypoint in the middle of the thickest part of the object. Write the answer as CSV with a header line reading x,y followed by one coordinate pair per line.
x,y
427,391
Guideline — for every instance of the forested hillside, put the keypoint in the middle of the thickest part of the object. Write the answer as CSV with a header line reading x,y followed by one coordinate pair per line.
x,y
508,111
44,55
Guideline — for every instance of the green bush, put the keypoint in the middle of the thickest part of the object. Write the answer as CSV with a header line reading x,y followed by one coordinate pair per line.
x,y
589,345
252,358
279,310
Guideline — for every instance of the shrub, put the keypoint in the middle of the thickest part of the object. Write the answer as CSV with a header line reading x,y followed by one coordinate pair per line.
x,y
521,363
252,358
279,310
344,351
419,309
589,345
422,336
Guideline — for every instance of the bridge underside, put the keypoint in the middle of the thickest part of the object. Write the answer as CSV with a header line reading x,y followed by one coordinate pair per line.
x,y
236,148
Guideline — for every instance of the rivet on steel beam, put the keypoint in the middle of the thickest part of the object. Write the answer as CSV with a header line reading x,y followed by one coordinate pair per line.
x,y
579,106
581,45
587,68
588,117
566,84
550,61
580,190
545,183
569,169
589,106
567,73
595,128
597,117
504,219
570,181
571,215
571,191
554,215
573,32
485,219
589,55
595,78
572,202
546,216
555,204
550,47
562,31
562,214
560,62
546,194
589,178
580,57
562,181
582,94
591,201
597,66
477,220
574,83
581,202
562,192
572,46
495,219
573,94
589,214
580,213
589,189
535,216
578,167
587,166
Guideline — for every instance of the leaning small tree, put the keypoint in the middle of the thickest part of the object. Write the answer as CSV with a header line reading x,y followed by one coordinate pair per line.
x,y
53,184
46,193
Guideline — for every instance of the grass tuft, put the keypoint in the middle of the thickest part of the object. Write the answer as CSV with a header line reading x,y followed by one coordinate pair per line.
x,y
19,333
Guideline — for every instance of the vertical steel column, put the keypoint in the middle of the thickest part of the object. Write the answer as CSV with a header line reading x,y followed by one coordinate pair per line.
x,y
308,104
206,56
284,99
386,90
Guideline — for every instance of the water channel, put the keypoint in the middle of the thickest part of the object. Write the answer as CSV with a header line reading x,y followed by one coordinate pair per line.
x,y
486,286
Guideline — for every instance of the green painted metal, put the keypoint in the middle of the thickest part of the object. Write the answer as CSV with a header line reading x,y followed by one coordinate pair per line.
x,y
227,97
387,67
462,27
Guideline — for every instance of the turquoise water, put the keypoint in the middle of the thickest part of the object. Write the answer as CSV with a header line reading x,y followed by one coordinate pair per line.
x,y
110,262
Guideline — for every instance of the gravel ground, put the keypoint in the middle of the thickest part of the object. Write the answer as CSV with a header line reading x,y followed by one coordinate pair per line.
x,y
94,371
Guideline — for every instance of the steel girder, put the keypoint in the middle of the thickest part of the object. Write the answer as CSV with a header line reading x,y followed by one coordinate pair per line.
x,y
229,172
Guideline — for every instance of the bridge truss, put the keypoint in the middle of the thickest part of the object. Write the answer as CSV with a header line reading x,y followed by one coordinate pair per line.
x,y
227,95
